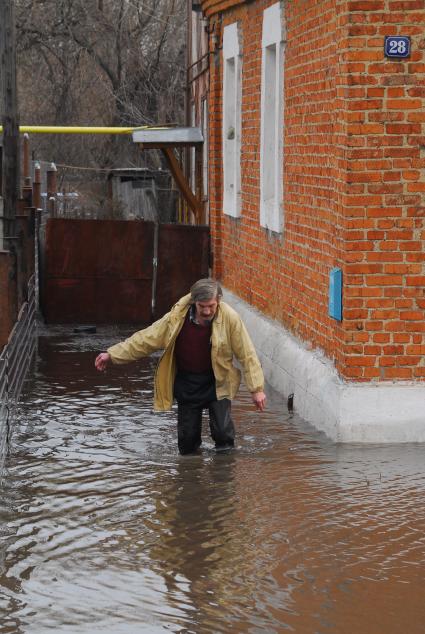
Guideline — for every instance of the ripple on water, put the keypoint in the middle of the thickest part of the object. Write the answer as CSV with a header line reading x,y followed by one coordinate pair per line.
x,y
104,527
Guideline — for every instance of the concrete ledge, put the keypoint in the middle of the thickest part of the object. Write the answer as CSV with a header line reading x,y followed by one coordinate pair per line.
x,y
347,412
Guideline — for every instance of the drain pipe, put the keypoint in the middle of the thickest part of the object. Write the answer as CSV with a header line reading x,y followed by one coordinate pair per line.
x,y
155,267
36,186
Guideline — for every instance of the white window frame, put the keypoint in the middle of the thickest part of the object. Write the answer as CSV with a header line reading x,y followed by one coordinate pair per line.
x,y
272,124
192,150
231,127
205,147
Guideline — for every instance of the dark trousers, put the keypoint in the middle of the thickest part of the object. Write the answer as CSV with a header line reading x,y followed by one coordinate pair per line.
x,y
194,393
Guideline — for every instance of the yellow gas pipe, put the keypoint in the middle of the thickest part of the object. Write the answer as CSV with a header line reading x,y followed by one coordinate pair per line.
x,y
58,129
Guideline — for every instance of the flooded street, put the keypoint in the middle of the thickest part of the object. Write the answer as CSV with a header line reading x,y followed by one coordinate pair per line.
x,y
106,528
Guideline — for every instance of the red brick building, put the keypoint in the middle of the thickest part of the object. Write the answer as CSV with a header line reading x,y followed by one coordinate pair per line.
x,y
316,161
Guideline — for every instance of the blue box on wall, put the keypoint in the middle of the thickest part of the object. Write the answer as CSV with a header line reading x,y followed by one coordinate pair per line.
x,y
335,294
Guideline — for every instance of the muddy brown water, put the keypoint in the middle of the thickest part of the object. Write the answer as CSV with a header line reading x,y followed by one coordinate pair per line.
x,y
105,528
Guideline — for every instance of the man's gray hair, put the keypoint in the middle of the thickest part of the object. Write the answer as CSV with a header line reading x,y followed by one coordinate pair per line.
x,y
205,290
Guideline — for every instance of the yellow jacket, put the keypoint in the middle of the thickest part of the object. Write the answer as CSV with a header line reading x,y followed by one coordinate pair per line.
x,y
229,338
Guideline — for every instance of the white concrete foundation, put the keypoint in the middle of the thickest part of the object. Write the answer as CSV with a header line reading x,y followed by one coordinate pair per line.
x,y
390,412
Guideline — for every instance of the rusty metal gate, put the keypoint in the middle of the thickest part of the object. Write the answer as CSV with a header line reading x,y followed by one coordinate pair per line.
x,y
118,271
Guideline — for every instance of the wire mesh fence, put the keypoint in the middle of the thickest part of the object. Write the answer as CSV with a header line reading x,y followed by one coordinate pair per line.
x,y
15,360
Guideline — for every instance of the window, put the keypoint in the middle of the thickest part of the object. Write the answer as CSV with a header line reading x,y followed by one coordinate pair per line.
x,y
271,152
192,151
231,121
205,148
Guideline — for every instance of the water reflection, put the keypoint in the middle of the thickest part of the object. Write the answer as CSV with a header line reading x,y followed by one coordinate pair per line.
x,y
105,527
194,543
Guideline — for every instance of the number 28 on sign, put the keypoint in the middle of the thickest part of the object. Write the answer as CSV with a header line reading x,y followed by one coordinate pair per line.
x,y
397,46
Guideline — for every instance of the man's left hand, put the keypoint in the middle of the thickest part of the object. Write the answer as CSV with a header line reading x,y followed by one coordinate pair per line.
x,y
259,399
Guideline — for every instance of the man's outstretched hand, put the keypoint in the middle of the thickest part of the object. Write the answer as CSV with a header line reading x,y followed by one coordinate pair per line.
x,y
102,361
259,399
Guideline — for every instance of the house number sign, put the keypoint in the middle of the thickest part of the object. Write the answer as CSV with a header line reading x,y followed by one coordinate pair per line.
x,y
397,46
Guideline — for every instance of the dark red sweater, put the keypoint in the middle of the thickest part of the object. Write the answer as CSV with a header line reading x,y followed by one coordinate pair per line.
x,y
193,347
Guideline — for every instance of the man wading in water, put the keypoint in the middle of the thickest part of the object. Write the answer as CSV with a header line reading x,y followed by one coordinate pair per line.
x,y
200,336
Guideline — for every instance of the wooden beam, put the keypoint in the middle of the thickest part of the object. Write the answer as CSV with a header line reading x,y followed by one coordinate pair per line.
x,y
183,185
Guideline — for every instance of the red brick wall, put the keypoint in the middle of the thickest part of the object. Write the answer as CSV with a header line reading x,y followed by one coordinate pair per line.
x,y
383,205
353,182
